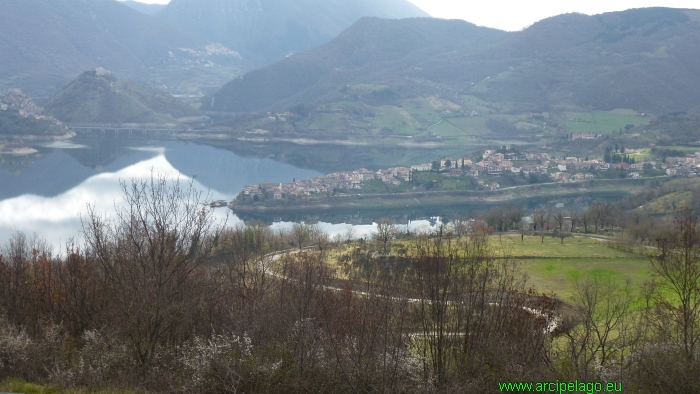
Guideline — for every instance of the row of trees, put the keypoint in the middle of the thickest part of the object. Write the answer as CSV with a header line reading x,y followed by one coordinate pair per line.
x,y
600,215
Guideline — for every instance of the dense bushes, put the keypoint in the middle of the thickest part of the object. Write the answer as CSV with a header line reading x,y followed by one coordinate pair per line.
x,y
161,298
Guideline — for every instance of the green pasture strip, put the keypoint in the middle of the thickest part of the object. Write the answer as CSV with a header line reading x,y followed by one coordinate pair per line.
x,y
447,129
604,122
421,111
396,119
19,386
472,125
324,121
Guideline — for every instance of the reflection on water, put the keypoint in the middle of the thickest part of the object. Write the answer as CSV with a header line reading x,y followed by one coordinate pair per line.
x,y
50,191
49,194
365,230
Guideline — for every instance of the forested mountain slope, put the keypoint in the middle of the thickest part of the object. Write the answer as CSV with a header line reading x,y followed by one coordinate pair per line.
x,y
643,59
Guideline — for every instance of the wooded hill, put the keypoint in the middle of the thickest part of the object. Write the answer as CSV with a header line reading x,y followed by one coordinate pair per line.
x,y
641,59
264,31
99,97
21,117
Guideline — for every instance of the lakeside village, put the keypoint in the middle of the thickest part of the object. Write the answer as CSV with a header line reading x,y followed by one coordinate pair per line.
x,y
493,171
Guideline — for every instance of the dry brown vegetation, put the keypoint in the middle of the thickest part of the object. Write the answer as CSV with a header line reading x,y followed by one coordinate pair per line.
x,y
161,298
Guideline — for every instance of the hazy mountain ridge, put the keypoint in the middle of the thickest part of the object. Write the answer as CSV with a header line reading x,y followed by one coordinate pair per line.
x,y
372,50
99,97
641,59
264,31
44,44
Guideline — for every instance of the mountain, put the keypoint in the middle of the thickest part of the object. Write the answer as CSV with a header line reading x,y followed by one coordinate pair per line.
x,y
44,44
642,59
98,97
264,31
372,50
149,9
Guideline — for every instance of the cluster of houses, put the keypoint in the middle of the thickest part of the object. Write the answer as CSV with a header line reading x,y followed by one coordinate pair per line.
x,y
492,164
685,166
15,99
278,117
584,136
572,169
347,180
575,169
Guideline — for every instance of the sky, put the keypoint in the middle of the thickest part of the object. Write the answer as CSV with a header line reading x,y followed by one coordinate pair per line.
x,y
515,15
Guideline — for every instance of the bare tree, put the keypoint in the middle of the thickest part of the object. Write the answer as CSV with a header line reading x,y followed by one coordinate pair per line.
x,y
350,234
576,219
386,230
523,226
676,294
515,215
301,232
586,220
151,255
602,327
600,213
319,238
503,218
541,219
559,220
460,227
470,307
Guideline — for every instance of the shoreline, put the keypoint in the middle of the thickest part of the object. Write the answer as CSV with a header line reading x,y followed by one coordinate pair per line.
x,y
440,198
24,151
37,137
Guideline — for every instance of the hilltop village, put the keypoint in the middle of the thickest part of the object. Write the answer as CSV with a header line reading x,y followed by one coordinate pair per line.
x,y
23,104
493,170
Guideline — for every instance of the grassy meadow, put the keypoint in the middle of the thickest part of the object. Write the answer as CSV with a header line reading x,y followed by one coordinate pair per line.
x,y
604,121
555,267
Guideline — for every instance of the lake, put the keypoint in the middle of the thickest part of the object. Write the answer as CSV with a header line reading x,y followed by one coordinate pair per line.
x,y
47,193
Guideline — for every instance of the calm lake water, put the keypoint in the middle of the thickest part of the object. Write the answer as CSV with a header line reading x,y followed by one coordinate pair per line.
x,y
47,193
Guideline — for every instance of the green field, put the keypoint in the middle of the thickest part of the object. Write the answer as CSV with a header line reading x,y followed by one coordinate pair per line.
x,y
447,129
473,125
324,121
604,121
396,119
421,111
554,267
19,386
